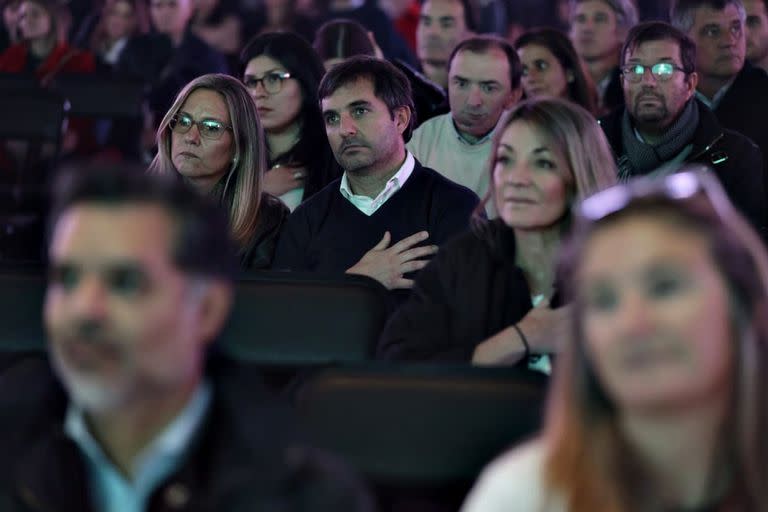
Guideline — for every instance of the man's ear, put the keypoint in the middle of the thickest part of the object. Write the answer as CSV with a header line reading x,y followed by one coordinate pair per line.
x,y
513,98
214,306
402,116
693,83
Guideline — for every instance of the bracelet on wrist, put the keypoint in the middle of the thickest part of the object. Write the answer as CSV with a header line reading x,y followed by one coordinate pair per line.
x,y
524,340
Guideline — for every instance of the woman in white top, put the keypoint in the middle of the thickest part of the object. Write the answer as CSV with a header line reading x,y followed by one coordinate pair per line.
x,y
660,403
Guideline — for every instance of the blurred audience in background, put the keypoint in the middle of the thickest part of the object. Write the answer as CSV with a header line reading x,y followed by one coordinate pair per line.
x,y
551,67
598,29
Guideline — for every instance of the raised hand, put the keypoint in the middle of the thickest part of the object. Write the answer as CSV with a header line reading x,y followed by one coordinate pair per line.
x,y
388,264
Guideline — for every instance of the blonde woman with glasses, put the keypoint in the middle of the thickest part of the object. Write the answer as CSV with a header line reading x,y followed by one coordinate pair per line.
x,y
659,403
212,138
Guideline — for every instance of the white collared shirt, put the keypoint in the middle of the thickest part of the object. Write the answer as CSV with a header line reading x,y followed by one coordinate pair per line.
x,y
110,489
367,205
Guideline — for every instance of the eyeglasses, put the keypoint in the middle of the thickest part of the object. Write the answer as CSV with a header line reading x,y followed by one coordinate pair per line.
x,y
208,128
272,81
661,71
679,186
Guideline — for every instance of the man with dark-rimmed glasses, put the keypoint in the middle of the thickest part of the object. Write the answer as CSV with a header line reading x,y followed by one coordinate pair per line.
x,y
663,126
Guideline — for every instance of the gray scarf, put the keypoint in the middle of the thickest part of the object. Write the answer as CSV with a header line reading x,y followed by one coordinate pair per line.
x,y
641,158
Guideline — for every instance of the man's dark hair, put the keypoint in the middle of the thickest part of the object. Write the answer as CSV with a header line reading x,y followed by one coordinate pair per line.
x,y
390,85
202,245
469,13
343,38
660,31
482,44
681,11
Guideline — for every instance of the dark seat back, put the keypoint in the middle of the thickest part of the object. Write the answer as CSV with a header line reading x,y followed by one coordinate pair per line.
x,y
416,426
288,319
101,96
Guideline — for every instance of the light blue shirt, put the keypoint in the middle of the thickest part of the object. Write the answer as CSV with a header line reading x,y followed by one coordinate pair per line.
x,y
110,489
367,205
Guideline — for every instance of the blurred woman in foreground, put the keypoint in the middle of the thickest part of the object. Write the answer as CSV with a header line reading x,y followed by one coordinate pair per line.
x,y
659,403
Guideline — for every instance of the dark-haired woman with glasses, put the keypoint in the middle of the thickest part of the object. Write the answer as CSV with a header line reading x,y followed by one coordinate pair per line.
x,y
212,138
659,401
282,73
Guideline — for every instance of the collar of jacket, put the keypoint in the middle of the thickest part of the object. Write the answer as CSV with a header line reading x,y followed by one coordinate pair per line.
x,y
238,455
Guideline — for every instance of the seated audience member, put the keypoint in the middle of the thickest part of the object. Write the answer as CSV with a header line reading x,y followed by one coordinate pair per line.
x,y
212,138
120,20
443,24
757,32
730,86
405,18
42,48
139,414
374,19
663,126
484,81
9,29
281,16
338,40
598,29
490,295
375,219
552,68
282,73
170,56
657,403
218,23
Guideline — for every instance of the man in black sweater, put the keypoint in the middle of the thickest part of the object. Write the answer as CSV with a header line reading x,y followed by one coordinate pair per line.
x,y
384,196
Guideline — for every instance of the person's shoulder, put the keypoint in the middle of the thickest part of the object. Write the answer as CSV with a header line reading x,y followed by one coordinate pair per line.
x,y
273,207
446,187
737,144
434,126
514,481
319,202
754,78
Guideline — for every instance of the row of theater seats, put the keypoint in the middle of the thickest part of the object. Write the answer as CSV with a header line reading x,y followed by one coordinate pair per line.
x,y
419,433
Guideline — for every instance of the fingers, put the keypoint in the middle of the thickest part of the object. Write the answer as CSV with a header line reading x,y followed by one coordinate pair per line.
x,y
402,283
408,242
418,252
412,266
383,243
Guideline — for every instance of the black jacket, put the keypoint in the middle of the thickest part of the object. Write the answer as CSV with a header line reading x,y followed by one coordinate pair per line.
x,y
244,458
744,108
257,255
471,290
735,159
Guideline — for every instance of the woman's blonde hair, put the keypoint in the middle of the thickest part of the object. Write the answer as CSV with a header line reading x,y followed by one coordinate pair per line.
x,y
574,134
241,190
589,460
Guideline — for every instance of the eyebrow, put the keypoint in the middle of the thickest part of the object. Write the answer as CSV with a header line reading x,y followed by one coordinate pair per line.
x,y
273,70
662,59
537,151
447,18
204,118
480,81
